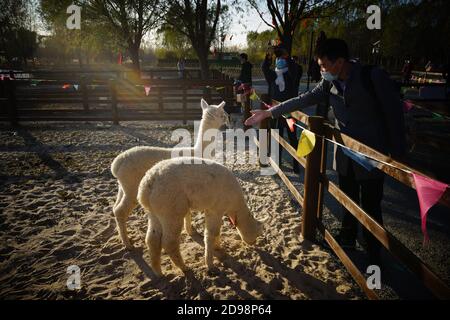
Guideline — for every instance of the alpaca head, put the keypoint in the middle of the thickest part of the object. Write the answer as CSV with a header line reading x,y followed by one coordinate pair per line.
x,y
249,228
215,114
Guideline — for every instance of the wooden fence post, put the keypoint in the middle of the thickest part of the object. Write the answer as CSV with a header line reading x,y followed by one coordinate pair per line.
x,y
84,93
246,109
12,101
184,105
265,125
160,100
311,204
113,90
323,169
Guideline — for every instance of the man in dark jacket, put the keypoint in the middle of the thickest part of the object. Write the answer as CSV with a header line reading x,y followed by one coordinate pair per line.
x,y
282,87
374,117
245,76
299,73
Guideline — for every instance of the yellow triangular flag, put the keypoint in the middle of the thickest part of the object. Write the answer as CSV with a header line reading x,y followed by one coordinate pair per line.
x,y
306,143
254,96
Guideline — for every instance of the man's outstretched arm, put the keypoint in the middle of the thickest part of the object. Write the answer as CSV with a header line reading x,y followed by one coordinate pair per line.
x,y
315,96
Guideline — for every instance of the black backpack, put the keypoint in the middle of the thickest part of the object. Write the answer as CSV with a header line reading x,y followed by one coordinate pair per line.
x,y
366,72
367,83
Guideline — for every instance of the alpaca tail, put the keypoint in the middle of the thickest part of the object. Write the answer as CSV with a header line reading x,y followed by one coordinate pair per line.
x,y
115,166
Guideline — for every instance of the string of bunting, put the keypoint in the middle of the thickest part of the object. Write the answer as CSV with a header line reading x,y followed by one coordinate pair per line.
x,y
408,105
429,191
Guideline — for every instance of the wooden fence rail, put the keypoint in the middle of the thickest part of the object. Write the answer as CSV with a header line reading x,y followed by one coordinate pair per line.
x,y
58,100
316,184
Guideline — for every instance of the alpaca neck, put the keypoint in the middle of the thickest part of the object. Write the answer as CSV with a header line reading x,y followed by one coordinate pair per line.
x,y
200,143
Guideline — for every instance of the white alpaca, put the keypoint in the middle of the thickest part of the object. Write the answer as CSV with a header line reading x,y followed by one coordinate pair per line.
x,y
130,166
173,187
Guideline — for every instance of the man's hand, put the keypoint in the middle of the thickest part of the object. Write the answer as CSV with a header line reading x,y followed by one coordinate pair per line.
x,y
257,116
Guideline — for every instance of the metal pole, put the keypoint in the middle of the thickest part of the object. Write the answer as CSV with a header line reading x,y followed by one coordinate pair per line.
x,y
310,58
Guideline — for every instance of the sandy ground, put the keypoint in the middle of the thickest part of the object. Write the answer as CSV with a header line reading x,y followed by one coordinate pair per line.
x,y
56,197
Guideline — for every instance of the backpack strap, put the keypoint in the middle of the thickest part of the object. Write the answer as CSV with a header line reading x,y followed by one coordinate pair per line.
x,y
322,108
367,82
366,77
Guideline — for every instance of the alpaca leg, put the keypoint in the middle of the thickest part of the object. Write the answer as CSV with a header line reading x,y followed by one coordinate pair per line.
x,y
119,197
171,243
188,223
121,213
219,252
153,241
212,233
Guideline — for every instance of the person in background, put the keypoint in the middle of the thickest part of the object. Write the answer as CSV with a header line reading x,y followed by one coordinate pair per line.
x,y
446,76
367,107
245,76
314,71
181,66
407,71
299,74
282,87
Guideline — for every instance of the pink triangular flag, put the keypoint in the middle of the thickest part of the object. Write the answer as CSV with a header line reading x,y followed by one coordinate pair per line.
x,y
291,123
233,221
407,105
429,192
268,106
147,90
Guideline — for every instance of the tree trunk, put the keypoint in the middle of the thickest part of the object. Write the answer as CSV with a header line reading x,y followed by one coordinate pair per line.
x,y
204,66
134,53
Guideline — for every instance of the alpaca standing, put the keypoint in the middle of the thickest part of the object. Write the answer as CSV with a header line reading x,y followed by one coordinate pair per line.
x,y
130,166
173,187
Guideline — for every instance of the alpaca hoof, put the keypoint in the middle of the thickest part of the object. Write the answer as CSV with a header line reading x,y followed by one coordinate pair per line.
x,y
129,246
219,253
158,273
192,232
213,271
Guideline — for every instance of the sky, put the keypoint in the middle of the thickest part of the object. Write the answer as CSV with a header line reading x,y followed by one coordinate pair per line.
x,y
239,28
252,22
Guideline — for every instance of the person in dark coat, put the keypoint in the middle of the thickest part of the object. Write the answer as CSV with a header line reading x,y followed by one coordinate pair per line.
x,y
282,87
245,76
299,73
373,117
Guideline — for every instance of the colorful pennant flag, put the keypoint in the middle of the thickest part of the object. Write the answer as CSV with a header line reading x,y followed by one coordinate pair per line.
x,y
254,96
291,124
66,86
429,192
76,86
437,116
363,161
306,143
147,90
407,105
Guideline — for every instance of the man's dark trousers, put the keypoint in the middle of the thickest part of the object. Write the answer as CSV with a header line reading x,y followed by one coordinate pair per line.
x,y
368,195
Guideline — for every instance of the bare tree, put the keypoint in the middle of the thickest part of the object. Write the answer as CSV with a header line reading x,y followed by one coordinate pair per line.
x,y
287,14
198,23
131,19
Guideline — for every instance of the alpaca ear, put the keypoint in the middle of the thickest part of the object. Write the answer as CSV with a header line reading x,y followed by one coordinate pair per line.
x,y
204,104
221,105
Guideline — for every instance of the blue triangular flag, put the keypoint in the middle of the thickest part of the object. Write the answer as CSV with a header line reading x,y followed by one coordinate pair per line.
x,y
365,162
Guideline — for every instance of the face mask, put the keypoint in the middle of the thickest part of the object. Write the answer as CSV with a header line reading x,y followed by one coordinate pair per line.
x,y
329,76
281,63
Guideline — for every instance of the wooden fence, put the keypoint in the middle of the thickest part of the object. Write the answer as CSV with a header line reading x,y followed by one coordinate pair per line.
x,y
316,184
80,96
